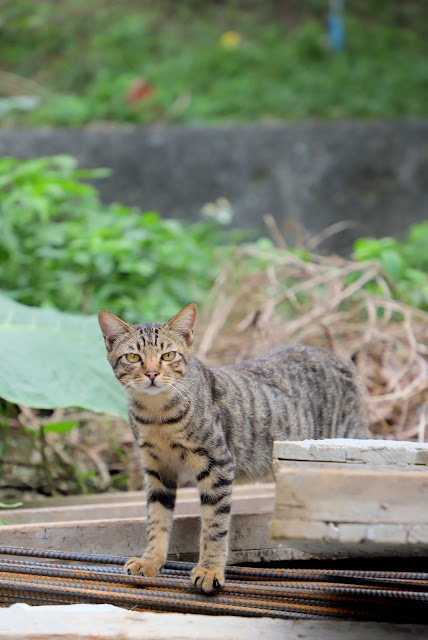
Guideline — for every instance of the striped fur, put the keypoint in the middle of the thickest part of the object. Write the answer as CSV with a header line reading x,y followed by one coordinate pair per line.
x,y
219,423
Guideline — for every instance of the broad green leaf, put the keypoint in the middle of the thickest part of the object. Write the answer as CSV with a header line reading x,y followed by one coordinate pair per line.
x,y
51,359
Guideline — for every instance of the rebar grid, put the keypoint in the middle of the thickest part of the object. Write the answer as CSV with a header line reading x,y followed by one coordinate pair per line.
x,y
277,593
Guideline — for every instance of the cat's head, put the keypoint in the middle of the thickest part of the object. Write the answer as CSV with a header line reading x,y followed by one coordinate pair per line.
x,y
149,358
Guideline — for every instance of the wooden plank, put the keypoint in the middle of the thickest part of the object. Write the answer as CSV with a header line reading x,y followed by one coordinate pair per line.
x,y
352,497
354,451
84,499
249,539
113,497
336,539
120,529
349,494
246,499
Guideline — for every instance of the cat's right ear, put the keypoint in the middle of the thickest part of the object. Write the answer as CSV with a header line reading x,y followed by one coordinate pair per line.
x,y
112,327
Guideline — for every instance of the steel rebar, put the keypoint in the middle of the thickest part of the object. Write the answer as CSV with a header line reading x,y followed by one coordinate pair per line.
x,y
280,593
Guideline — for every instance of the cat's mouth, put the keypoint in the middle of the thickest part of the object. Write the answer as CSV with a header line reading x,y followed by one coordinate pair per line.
x,y
153,388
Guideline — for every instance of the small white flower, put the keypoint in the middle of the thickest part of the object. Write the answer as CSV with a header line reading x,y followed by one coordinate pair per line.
x,y
220,210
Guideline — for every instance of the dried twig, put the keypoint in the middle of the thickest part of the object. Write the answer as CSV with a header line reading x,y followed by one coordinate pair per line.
x,y
319,312
330,231
219,317
386,338
274,231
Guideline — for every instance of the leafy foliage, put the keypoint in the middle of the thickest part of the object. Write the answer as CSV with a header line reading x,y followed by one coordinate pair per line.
x,y
52,359
87,62
404,263
61,247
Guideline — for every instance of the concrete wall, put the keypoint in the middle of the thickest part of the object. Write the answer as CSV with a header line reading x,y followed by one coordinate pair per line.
x,y
313,174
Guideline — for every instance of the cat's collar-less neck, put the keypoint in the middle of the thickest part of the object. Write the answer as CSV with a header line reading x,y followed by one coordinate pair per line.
x,y
162,401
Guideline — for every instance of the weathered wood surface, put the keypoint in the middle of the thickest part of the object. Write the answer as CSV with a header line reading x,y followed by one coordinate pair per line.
x,y
246,499
106,622
334,498
352,497
119,528
354,451
353,494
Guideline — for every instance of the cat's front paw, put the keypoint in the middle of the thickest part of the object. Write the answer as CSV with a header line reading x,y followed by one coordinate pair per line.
x,y
207,579
143,567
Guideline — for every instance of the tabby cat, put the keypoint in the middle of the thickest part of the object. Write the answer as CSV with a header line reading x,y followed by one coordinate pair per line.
x,y
218,423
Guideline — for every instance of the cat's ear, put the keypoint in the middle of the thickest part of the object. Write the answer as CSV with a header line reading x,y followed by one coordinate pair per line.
x,y
183,322
112,327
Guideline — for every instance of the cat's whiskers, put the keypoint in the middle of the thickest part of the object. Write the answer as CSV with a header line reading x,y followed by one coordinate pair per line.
x,y
180,390
176,384
175,389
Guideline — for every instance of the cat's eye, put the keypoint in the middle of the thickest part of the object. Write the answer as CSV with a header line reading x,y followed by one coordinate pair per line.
x,y
133,357
168,356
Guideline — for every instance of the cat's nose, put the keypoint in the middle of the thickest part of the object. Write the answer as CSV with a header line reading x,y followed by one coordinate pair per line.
x,y
152,374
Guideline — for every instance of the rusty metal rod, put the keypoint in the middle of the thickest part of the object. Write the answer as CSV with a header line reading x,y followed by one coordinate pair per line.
x,y
149,601
251,589
181,602
231,571
285,593
165,577
175,601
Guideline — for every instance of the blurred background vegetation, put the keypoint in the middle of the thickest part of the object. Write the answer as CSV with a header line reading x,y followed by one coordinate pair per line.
x,y
73,62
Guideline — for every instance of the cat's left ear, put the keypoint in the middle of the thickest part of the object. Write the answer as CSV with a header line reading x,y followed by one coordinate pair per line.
x,y
183,323
112,327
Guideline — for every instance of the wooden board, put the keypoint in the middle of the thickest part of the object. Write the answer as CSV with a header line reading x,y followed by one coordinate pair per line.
x,y
352,497
246,498
119,528
353,451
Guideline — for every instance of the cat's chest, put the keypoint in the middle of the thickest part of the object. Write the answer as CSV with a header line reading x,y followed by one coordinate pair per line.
x,y
171,449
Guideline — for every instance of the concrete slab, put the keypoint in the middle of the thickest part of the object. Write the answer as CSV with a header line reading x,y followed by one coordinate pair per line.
x,y
106,622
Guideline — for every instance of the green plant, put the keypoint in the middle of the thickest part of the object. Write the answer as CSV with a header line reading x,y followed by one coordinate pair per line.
x,y
61,247
88,61
52,359
405,263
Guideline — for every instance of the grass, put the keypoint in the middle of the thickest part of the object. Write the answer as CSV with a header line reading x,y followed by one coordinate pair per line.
x,y
89,65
